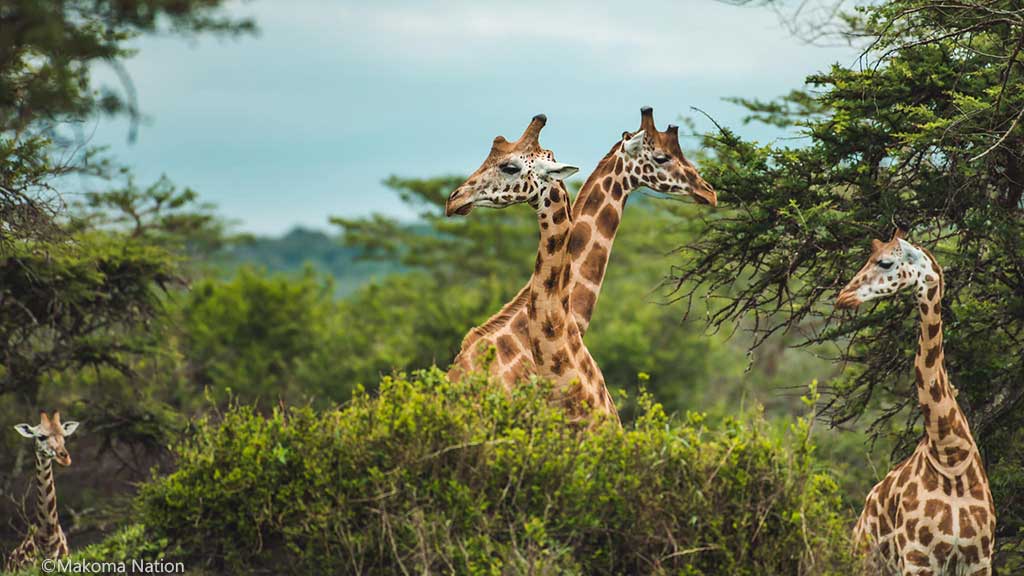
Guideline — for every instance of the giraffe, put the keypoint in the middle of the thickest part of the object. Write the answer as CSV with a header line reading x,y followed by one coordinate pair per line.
x,y
45,538
548,343
645,157
933,513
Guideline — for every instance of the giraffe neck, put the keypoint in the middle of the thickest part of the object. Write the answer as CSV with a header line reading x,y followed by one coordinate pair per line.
x,y
950,444
596,214
550,324
47,522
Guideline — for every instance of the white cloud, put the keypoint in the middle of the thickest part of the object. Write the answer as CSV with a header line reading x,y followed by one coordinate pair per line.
x,y
687,38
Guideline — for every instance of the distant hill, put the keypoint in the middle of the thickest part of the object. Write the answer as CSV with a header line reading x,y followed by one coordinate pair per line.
x,y
302,246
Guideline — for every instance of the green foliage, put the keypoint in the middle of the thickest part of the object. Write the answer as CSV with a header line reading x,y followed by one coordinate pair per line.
x,y
437,476
255,333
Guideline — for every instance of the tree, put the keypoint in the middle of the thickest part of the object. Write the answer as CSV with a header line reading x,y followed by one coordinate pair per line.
x,y
926,133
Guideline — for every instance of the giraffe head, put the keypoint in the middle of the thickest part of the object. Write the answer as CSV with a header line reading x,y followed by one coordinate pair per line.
x,y
892,266
514,172
49,436
657,161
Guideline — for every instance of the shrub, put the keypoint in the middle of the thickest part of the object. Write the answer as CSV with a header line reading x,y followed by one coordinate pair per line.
x,y
435,476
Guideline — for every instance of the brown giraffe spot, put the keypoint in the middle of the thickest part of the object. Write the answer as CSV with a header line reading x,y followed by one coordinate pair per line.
x,y
507,348
618,165
946,522
941,551
943,427
521,328
606,183
970,554
980,515
608,221
902,538
924,308
566,272
917,558
937,308
593,265
958,486
594,201
548,328
559,362
588,367
579,238
560,216
933,329
583,301
910,501
901,480
947,486
933,353
966,527
932,290
884,528
911,528
919,378
926,412
986,545
551,282
935,391
616,191
555,243
925,536
538,354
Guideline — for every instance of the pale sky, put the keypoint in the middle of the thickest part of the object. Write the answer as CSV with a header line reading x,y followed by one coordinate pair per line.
x,y
305,119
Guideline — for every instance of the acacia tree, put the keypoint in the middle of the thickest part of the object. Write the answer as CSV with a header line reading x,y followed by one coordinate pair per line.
x,y
926,132
66,288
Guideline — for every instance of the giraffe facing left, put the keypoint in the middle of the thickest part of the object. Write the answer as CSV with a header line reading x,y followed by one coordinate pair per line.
x,y
45,539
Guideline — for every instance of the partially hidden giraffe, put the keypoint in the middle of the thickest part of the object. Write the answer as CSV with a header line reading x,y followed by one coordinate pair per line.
x,y
933,513
546,341
644,158
45,539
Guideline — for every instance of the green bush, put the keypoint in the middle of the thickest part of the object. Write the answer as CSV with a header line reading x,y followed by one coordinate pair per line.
x,y
450,477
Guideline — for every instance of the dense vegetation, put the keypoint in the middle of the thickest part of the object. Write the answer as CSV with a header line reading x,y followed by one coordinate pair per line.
x,y
139,313
431,476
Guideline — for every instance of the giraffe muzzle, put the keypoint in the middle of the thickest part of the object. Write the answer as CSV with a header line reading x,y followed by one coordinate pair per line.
x,y
848,300
459,204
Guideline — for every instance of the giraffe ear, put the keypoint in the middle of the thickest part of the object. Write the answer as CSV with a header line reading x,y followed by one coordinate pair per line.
x,y
633,144
25,430
557,170
69,428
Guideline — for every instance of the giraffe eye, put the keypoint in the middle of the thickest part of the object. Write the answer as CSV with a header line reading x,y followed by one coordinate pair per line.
x,y
885,264
661,158
509,168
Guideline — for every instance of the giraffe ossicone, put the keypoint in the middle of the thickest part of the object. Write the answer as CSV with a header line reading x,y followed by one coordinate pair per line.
x,y
46,539
933,513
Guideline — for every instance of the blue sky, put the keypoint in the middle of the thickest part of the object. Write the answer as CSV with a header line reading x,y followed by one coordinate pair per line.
x,y
304,120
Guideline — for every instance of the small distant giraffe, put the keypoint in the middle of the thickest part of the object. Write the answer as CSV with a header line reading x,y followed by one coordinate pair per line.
x,y
45,538
645,157
547,342
933,513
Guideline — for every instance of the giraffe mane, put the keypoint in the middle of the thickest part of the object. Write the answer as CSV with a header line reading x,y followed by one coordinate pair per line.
x,y
938,270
